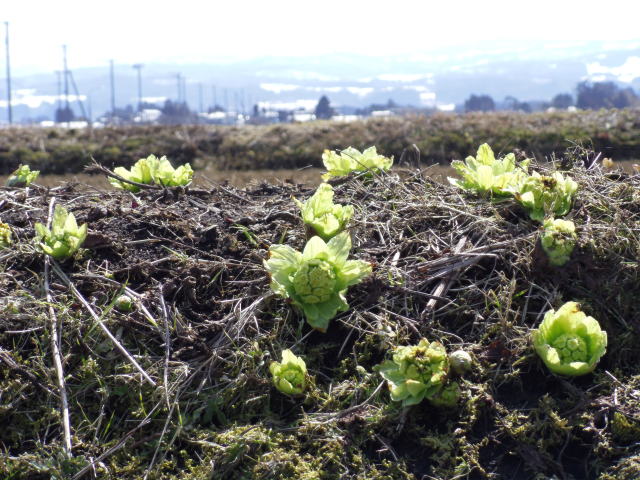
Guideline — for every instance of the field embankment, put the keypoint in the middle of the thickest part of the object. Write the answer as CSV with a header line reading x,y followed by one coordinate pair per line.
x,y
447,266
440,139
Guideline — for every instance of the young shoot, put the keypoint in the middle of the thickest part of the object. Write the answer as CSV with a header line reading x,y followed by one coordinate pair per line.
x,y
22,177
290,375
545,196
569,342
558,240
327,218
352,160
152,170
487,175
418,372
5,236
64,238
317,279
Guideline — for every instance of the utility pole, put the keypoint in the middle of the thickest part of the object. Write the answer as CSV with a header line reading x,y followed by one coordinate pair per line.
x,y
200,97
213,93
65,72
113,90
179,84
138,67
6,25
59,90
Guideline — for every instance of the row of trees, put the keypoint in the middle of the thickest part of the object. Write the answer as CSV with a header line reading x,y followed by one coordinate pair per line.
x,y
588,96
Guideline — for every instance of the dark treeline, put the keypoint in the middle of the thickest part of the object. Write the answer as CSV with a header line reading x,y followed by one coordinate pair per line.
x,y
588,96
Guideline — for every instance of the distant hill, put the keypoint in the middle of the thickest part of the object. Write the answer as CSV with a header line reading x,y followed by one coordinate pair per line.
x,y
440,79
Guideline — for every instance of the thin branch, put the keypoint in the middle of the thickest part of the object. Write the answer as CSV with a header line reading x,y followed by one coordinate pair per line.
x,y
55,345
119,346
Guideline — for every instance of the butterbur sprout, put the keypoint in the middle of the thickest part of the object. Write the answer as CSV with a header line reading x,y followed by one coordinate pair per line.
x,y
569,342
485,174
326,217
317,279
558,240
418,372
460,361
545,195
290,375
124,303
22,177
5,235
64,238
350,160
152,170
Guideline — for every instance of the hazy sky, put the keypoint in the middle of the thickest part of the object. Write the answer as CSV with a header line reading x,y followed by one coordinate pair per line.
x,y
201,31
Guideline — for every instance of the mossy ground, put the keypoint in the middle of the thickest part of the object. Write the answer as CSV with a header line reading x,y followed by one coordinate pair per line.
x,y
447,266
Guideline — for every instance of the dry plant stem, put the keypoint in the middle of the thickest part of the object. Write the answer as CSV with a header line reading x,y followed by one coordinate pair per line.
x,y
167,344
78,295
55,344
444,284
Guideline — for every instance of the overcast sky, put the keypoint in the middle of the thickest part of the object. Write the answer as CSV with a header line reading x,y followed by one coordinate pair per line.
x,y
189,31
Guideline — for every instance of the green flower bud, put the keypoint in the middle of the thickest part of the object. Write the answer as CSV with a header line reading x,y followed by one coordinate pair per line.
x,y
416,372
460,361
558,240
290,376
5,235
124,303
569,342
315,281
326,217
546,195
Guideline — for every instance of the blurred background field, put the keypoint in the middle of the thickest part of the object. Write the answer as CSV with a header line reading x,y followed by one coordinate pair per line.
x,y
291,151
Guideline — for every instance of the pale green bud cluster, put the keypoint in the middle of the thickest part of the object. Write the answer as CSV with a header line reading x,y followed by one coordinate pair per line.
x,y
326,217
545,196
5,235
124,303
290,375
558,240
569,342
152,170
542,196
317,279
417,372
487,175
64,238
22,177
570,348
350,160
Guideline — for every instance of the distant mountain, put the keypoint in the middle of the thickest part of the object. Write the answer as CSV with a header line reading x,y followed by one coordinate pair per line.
x,y
439,79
